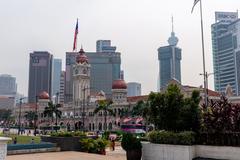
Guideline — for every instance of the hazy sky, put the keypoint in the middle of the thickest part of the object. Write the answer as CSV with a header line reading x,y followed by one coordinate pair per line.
x,y
137,27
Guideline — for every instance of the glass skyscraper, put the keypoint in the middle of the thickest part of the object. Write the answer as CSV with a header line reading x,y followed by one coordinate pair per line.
x,y
226,51
169,62
40,74
56,76
8,85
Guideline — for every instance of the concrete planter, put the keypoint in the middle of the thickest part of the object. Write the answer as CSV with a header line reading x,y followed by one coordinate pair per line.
x,y
217,152
3,147
65,143
152,151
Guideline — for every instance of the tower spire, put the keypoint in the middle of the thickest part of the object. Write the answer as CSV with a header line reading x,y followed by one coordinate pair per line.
x,y
173,40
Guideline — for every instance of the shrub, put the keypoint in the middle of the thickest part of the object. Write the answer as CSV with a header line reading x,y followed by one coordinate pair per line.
x,y
68,134
130,142
93,146
167,137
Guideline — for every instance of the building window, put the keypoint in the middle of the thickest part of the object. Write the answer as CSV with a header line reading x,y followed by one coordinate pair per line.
x,y
105,126
90,127
100,126
110,126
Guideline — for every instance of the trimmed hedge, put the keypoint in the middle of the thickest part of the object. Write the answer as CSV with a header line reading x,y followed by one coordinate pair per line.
x,y
167,137
68,134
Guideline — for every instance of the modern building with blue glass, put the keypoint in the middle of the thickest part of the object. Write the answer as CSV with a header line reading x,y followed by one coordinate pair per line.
x,y
56,76
169,62
226,51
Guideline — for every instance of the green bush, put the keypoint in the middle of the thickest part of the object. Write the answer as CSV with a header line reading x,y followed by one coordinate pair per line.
x,y
167,137
68,134
130,142
93,146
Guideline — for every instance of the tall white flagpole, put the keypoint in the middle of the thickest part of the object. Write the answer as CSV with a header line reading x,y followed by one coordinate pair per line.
x,y
203,53
203,56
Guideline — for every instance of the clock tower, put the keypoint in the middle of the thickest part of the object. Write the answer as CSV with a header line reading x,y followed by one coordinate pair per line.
x,y
81,79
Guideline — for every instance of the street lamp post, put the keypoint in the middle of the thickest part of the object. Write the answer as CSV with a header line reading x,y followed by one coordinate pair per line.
x,y
206,75
19,116
57,102
35,117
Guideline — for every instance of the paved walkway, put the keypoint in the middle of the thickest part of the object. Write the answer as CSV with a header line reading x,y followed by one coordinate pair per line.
x,y
118,154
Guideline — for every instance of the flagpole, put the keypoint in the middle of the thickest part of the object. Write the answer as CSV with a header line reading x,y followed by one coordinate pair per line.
x,y
203,56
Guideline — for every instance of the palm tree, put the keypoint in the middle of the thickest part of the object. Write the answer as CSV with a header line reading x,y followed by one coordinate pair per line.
x,y
52,109
105,106
31,116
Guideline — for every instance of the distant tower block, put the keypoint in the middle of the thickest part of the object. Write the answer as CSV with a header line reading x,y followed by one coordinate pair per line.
x,y
169,61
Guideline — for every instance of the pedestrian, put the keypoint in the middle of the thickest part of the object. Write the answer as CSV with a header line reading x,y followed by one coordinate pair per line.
x,y
32,141
15,140
113,144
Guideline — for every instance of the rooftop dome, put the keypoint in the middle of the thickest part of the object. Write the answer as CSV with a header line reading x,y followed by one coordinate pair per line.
x,y
81,57
43,95
119,84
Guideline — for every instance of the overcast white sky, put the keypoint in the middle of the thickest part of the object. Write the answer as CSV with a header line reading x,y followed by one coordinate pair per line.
x,y
137,27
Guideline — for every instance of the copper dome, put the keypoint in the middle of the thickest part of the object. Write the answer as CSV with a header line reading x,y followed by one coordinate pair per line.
x,y
119,84
81,57
43,95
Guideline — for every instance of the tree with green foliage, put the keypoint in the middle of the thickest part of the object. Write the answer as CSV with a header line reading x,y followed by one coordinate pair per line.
x,y
5,115
190,113
106,107
30,117
140,109
171,111
51,110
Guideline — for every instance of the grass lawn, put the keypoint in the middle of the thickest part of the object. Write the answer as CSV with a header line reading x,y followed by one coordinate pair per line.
x,y
23,139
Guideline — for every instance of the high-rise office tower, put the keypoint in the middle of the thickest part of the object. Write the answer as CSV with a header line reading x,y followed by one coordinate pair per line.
x,y
56,76
62,87
169,61
122,74
70,61
40,74
226,51
105,68
8,85
133,89
105,46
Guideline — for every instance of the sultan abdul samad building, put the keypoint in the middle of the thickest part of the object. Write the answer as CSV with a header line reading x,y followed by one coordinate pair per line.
x,y
85,102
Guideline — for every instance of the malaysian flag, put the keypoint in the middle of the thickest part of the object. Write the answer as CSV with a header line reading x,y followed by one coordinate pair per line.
x,y
75,37
194,4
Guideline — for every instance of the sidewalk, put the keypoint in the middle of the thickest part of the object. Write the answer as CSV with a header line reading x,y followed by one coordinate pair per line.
x,y
118,154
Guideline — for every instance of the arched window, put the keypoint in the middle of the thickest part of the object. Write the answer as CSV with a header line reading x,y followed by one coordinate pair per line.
x,y
100,126
110,126
90,127
105,126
